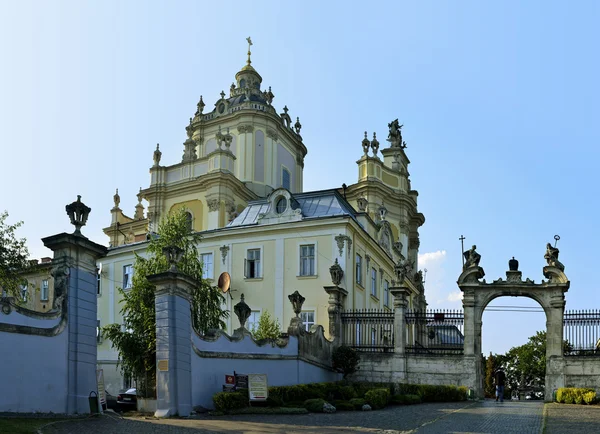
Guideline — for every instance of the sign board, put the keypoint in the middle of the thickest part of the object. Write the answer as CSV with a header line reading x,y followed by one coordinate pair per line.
x,y
257,387
229,379
241,381
163,365
101,389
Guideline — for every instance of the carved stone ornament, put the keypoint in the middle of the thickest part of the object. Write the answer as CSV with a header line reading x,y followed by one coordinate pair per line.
x,y
375,145
336,273
242,311
362,203
139,208
189,152
472,258
366,144
60,273
173,255
245,128
272,134
339,239
395,135
213,204
297,301
117,198
298,126
224,250
156,156
78,213
403,269
551,257
200,106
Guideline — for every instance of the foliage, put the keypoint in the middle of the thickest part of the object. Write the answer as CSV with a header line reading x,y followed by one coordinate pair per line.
x,y
405,399
302,392
13,257
343,406
357,403
225,401
314,405
136,341
268,327
345,360
491,365
377,398
274,401
431,393
525,366
575,395
347,392
21,425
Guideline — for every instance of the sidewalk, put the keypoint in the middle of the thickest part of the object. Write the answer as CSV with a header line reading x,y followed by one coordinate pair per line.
x,y
570,418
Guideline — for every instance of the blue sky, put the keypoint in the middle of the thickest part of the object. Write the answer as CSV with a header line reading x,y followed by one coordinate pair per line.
x,y
499,101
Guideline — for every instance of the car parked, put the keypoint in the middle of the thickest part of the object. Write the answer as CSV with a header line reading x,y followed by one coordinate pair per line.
x,y
127,400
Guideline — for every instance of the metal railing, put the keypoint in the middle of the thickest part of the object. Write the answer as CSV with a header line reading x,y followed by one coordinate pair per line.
x,y
581,333
435,332
368,330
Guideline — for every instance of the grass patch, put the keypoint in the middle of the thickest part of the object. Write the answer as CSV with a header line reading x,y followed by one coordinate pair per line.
x,y
20,425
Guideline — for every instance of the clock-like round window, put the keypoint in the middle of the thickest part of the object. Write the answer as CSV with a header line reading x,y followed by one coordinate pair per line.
x,y
281,205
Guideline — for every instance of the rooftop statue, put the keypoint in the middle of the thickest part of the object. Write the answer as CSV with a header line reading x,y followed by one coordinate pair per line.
x,y
551,257
472,258
395,135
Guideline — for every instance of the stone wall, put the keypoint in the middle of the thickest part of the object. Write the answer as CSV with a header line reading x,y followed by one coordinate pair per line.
x,y
220,354
582,372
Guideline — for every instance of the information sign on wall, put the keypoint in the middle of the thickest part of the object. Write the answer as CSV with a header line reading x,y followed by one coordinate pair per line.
x,y
257,387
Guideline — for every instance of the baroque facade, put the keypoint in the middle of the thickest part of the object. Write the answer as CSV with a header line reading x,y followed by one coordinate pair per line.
x,y
240,179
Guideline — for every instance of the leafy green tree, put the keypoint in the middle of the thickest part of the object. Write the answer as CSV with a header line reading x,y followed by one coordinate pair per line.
x,y
525,366
13,257
490,368
136,339
345,360
268,327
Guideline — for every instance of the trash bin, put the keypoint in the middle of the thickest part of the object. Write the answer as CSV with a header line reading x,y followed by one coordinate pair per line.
x,y
93,403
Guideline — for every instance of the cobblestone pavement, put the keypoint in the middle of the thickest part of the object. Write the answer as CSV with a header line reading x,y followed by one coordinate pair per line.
x,y
567,419
465,417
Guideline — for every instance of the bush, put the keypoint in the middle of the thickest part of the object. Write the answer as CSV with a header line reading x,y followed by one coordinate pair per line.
x,y
377,398
314,405
430,393
347,393
345,360
225,401
358,403
343,406
274,401
575,395
268,328
405,399
302,392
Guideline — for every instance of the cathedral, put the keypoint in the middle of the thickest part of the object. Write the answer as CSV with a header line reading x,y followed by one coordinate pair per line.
x,y
240,181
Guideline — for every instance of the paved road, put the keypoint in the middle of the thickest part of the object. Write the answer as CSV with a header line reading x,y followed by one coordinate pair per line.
x,y
479,417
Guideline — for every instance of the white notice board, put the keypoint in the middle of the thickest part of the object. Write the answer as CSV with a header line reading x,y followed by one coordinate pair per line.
x,y
257,387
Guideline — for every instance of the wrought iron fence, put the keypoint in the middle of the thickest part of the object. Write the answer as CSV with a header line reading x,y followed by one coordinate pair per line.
x,y
370,330
582,333
435,332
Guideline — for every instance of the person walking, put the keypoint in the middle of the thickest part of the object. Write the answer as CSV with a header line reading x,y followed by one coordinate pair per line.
x,y
500,380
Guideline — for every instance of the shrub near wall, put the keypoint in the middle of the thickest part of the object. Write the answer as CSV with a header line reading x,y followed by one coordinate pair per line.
x,y
430,393
575,395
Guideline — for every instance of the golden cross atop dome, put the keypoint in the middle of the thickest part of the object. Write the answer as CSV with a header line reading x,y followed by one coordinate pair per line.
x,y
249,45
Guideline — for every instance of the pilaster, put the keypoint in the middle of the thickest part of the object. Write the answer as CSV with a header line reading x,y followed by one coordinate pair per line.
x,y
400,294
337,296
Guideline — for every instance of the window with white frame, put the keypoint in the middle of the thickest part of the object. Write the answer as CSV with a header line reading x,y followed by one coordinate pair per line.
x,y
308,319
252,323
24,292
373,282
98,281
98,332
386,293
207,265
127,276
44,290
359,269
307,260
252,264
285,178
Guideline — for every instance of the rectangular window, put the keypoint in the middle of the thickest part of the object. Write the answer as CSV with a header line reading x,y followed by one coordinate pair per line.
x,y
207,265
44,290
386,293
98,333
307,260
373,282
308,319
98,279
285,178
127,276
252,268
359,269
252,323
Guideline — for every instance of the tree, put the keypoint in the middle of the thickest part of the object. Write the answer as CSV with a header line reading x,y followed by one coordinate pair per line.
x,y
268,328
525,366
490,368
13,257
136,339
345,360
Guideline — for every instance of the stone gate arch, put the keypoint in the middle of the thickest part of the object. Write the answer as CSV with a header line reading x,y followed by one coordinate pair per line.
x,y
550,294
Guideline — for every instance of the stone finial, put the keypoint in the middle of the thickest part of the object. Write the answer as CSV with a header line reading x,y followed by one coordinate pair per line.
x,y
269,96
231,89
297,125
513,264
200,106
174,255
222,94
375,145
139,208
78,213
116,198
297,301
336,273
228,138
285,109
242,311
157,155
366,144
219,137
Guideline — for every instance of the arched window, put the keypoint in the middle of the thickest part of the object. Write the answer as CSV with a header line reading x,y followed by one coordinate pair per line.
x,y
189,219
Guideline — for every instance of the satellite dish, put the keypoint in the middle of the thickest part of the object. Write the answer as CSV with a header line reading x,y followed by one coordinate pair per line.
x,y
224,281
